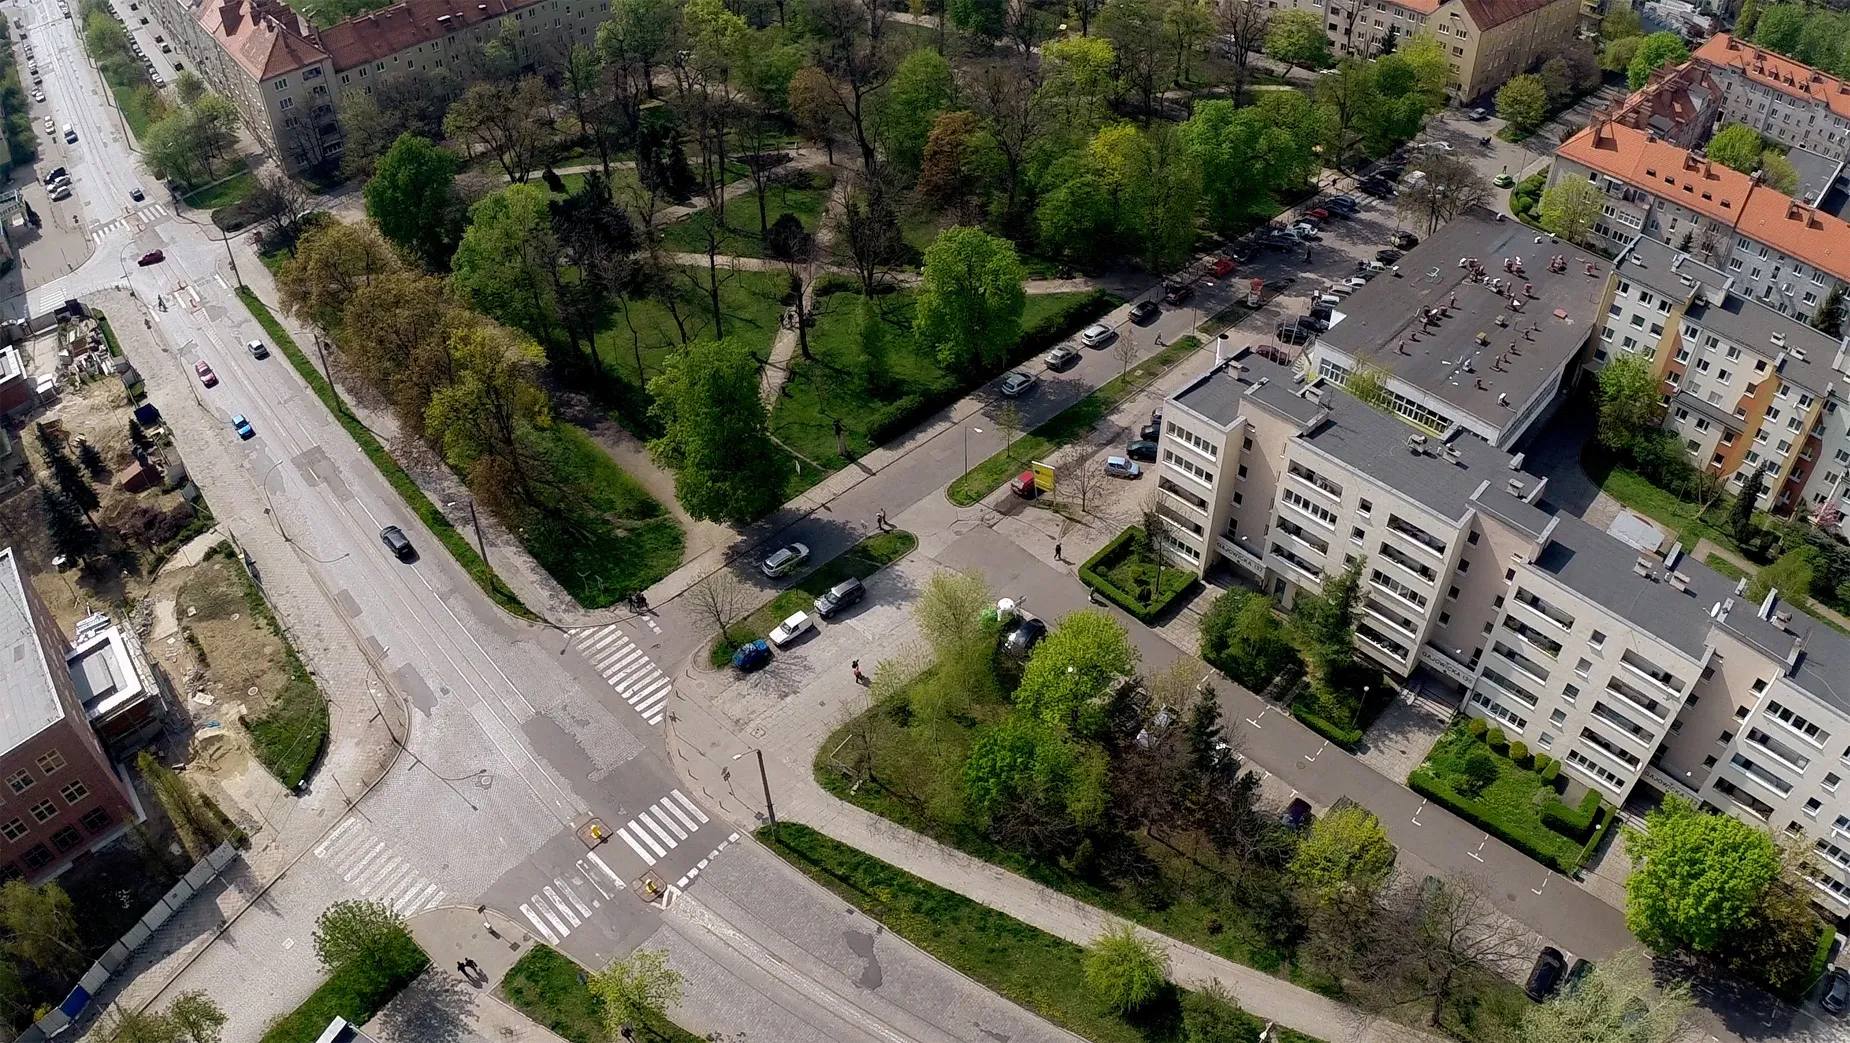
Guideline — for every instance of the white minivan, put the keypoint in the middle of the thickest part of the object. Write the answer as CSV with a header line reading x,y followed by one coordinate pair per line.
x,y
70,134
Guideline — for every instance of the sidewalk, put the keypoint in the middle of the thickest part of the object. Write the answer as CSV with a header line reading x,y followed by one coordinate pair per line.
x,y
444,1005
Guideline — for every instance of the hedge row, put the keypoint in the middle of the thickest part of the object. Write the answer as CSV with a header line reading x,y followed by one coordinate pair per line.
x,y
1423,783
1600,832
898,417
1820,957
1347,738
1575,823
1124,599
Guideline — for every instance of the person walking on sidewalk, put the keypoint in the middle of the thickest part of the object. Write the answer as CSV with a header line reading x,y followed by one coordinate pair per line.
x,y
859,677
1056,553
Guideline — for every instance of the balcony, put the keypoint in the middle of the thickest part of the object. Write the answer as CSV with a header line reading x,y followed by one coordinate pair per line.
x,y
1508,687
1636,699
1377,609
1426,540
1192,499
1534,638
1778,750
1394,588
1543,609
1400,558
1611,749
1637,732
1761,775
1662,679
1528,667
1306,568
1315,480
1300,535
1374,638
1242,557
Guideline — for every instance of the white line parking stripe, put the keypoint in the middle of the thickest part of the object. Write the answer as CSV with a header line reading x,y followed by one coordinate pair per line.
x,y
689,805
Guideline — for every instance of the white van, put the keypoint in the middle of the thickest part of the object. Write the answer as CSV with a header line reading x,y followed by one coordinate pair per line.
x,y
70,134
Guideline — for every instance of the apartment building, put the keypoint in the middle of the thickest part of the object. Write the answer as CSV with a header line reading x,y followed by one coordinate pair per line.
x,y
289,79
62,797
1478,327
1487,41
1680,104
1787,102
1785,254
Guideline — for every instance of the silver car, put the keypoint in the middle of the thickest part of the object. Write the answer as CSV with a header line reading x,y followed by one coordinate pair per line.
x,y
1017,383
785,560
1121,467
1097,335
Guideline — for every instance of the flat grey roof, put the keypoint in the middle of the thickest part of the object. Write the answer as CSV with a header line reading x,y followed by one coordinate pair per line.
x,y
1816,173
1513,511
1387,311
1746,322
1715,413
28,702
1598,566
1669,271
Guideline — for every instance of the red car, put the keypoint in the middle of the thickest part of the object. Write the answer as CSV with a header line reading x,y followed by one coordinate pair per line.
x,y
1319,213
206,376
152,257
1223,267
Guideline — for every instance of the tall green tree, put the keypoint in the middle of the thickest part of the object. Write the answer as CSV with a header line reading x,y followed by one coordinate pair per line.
x,y
715,434
359,933
482,418
1658,49
636,990
1523,102
1697,876
1297,38
1070,669
921,89
1322,624
1619,1001
412,198
1791,575
1126,970
1153,187
1741,523
1020,761
503,266
1738,146
1135,31
1242,636
1746,18
970,298
197,1018
40,927
1630,404
950,615
1780,26
1779,173
1345,859
1569,208
1829,318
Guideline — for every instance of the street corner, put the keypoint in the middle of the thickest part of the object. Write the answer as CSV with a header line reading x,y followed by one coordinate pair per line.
x,y
475,942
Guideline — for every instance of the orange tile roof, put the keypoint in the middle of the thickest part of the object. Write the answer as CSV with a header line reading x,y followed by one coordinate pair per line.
x,y
1729,196
1421,6
1488,14
1780,73
370,37
266,37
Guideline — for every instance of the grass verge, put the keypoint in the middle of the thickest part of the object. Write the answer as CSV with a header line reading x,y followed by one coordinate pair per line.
x,y
546,986
1067,426
234,189
289,736
1516,805
1027,965
414,497
354,992
604,537
1724,566
862,560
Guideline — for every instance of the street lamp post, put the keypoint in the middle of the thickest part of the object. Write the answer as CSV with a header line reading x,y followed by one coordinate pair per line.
x,y
480,546
235,277
967,431
765,781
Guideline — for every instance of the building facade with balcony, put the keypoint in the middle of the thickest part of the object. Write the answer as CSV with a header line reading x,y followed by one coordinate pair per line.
x,y
1789,103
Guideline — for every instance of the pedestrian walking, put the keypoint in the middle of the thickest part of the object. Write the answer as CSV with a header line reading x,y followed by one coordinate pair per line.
x,y
859,677
472,965
462,968
1056,553
880,519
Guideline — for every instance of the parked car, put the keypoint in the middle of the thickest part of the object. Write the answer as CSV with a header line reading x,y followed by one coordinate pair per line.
x,y
1404,240
1274,353
1439,146
1292,334
1306,233
1223,267
1062,357
1312,323
1388,256
1356,282
1378,188
1278,241
840,596
1318,212
151,257
257,350
1097,335
1017,383
784,560
1021,638
1836,993
61,193
1296,814
751,656
1390,172
206,376
1479,115
242,426
1177,292
1345,201
1141,449
1375,266
1549,966
1120,467
136,194
1325,300
1145,311
792,628
395,541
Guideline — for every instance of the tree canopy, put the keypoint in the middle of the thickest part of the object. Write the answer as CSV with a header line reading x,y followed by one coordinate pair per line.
x,y
970,298
1698,875
412,198
1070,669
716,435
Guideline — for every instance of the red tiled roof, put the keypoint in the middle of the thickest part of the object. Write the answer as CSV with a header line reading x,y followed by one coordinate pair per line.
x,y
1487,14
1782,74
1727,195
370,37
266,37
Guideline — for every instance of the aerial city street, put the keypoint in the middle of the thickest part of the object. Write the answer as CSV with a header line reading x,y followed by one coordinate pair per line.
x,y
1004,521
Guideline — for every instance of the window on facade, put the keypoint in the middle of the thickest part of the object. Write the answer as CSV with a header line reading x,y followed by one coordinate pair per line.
x,y
21,781
95,820
44,810
74,792
67,838
13,830
37,857
51,762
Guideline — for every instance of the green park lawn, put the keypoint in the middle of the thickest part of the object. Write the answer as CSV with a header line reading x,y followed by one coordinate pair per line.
x,y
602,536
806,198
751,305
550,990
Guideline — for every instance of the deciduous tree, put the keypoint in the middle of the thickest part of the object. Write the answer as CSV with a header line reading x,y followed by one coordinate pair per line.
x,y
636,990
1322,624
1523,102
715,434
1243,27
1791,575
1126,970
1779,173
1665,48
331,262
1135,30
921,89
1297,38
513,125
1019,761
1451,186
481,418
1446,932
1570,208
40,927
1738,146
1071,668
1698,875
1619,1001
970,298
412,199
1344,860
1630,405
359,933
504,265
1242,636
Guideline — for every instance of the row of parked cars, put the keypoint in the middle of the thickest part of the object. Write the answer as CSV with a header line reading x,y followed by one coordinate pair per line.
x,y
783,561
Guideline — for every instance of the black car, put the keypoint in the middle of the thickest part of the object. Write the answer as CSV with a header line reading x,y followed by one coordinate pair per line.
x,y
1312,323
1405,240
1241,254
1145,311
1279,241
1391,172
840,596
1378,189
1141,449
1549,966
395,541
1176,292
1023,636
1388,256
1292,334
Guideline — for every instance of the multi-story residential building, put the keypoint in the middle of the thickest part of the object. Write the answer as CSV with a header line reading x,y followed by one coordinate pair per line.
x,y
1787,102
1486,41
1786,254
60,796
1680,104
289,80
1475,328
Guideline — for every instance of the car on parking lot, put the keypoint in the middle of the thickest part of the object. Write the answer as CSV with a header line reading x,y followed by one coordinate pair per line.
x,y
1243,253
784,560
1122,467
792,628
1312,323
1273,353
1318,212
1390,172
841,595
397,542
1296,814
1097,335
750,656
1277,241
1223,267
1141,449
206,376
1145,311
151,257
1356,282
1306,233
1177,292
54,173
1061,357
1503,180
1479,115
1835,995
242,426
1388,256
1374,266
1292,334
1346,201
1438,146
38,95
1017,383
1404,240
257,350
1379,189
1022,637
1325,300
1549,966
61,193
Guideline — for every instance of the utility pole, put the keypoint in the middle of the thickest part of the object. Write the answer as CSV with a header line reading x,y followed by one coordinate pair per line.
x,y
765,781
321,346
233,258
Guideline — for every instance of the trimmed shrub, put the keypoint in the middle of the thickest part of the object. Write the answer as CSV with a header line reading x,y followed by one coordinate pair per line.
x,y
1576,823
1552,772
1423,782
1480,770
1520,754
1096,573
1475,727
1542,761
1496,740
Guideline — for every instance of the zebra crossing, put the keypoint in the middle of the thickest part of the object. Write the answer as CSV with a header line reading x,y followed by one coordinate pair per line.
x,y
558,908
661,827
371,866
627,669
135,222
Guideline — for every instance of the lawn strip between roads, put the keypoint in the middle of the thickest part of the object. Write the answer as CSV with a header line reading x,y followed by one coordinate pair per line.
x,y
550,990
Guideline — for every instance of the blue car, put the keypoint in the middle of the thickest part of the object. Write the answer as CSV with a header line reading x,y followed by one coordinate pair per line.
x,y
751,656
242,426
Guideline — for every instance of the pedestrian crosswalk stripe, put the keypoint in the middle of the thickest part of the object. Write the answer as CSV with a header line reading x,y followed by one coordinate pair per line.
x,y
640,834
627,669
646,820
564,910
662,815
552,918
527,910
647,859
376,870
689,805
566,889
682,815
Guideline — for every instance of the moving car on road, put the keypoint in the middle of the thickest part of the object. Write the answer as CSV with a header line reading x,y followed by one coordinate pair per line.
x,y
135,194
784,560
257,350
395,541
151,257
242,426
751,656
1017,383
206,376
840,596
1503,180
1097,335
1062,357
792,628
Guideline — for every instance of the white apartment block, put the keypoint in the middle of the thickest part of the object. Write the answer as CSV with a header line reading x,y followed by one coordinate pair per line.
x,y
1787,102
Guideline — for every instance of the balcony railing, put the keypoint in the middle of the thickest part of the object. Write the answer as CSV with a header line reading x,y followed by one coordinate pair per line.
x,y
1509,687
1663,679
1636,699
1761,775
1297,532
1611,749
1541,642
1529,667
1625,724
1296,562
1314,480
1543,609
1778,750
1394,619
1387,644
1399,557
1195,500
1426,540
